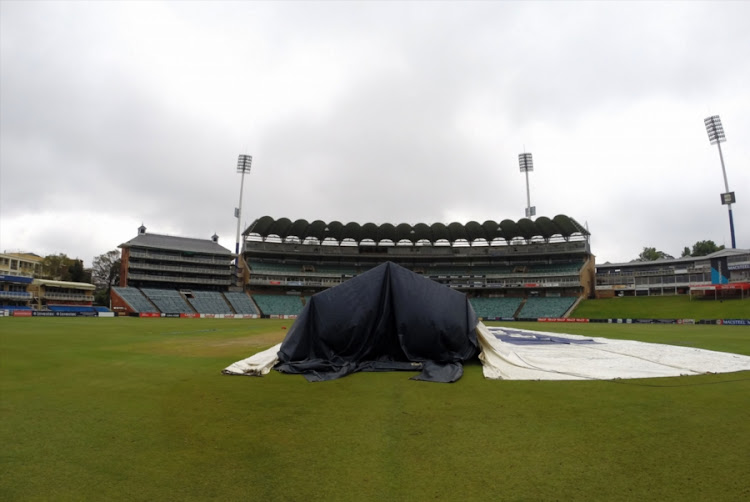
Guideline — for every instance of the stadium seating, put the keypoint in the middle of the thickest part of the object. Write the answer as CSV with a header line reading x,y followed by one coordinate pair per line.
x,y
555,268
495,307
446,271
209,302
261,267
168,300
336,270
278,304
491,270
546,307
241,303
135,299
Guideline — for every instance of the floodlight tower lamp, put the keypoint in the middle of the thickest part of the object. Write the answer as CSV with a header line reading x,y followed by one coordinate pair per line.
x,y
526,164
716,137
244,163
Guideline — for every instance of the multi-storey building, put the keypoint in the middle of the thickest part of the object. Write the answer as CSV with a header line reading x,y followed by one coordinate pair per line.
x,y
675,276
177,275
545,258
20,264
165,261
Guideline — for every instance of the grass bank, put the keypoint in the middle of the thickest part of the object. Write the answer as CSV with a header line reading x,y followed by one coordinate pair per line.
x,y
673,307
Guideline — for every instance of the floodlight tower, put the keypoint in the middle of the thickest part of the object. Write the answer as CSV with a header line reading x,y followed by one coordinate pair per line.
x,y
527,164
716,136
243,166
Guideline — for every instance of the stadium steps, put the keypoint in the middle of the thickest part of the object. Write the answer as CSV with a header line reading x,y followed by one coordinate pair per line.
x,y
278,304
168,300
137,301
241,303
208,302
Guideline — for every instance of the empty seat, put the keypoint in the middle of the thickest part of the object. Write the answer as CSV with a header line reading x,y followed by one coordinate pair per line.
x,y
209,302
546,307
168,300
135,299
278,304
241,303
495,307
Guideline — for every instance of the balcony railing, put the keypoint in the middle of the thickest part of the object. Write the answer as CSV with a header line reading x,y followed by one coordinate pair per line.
x,y
67,296
173,268
15,295
135,253
179,279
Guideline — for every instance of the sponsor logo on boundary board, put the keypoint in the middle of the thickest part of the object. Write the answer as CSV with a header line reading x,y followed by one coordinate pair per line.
x,y
47,313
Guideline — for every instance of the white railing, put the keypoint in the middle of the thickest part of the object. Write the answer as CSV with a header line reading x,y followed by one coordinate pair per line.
x,y
178,279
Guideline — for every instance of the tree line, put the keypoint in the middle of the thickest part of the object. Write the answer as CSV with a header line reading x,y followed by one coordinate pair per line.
x,y
104,273
700,248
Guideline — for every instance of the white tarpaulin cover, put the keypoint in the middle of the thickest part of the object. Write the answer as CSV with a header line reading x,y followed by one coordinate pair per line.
x,y
256,365
519,354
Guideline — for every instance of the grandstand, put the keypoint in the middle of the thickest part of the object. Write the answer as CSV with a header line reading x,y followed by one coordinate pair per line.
x,y
14,294
498,265
134,299
673,276
169,274
534,308
241,303
208,302
495,308
168,300
278,304
165,261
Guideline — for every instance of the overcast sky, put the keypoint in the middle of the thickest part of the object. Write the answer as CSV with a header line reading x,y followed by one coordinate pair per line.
x,y
114,114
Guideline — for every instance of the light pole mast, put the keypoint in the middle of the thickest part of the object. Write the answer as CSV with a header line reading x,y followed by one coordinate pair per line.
x,y
526,164
244,163
716,136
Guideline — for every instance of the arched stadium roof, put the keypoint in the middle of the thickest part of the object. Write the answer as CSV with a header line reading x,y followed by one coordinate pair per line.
x,y
543,227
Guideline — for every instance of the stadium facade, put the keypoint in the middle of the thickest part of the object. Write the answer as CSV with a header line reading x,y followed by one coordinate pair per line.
x,y
725,272
164,274
508,269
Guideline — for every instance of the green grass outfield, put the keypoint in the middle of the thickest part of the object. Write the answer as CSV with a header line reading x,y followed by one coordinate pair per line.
x,y
657,307
136,409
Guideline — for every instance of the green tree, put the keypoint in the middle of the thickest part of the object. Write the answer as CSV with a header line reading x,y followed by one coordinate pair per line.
x,y
56,267
703,248
105,273
651,254
77,273
685,252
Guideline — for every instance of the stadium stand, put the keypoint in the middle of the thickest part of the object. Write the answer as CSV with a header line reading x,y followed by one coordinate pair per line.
x,y
135,299
241,303
161,266
546,307
209,302
544,258
275,267
278,304
495,307
674,276
168,300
